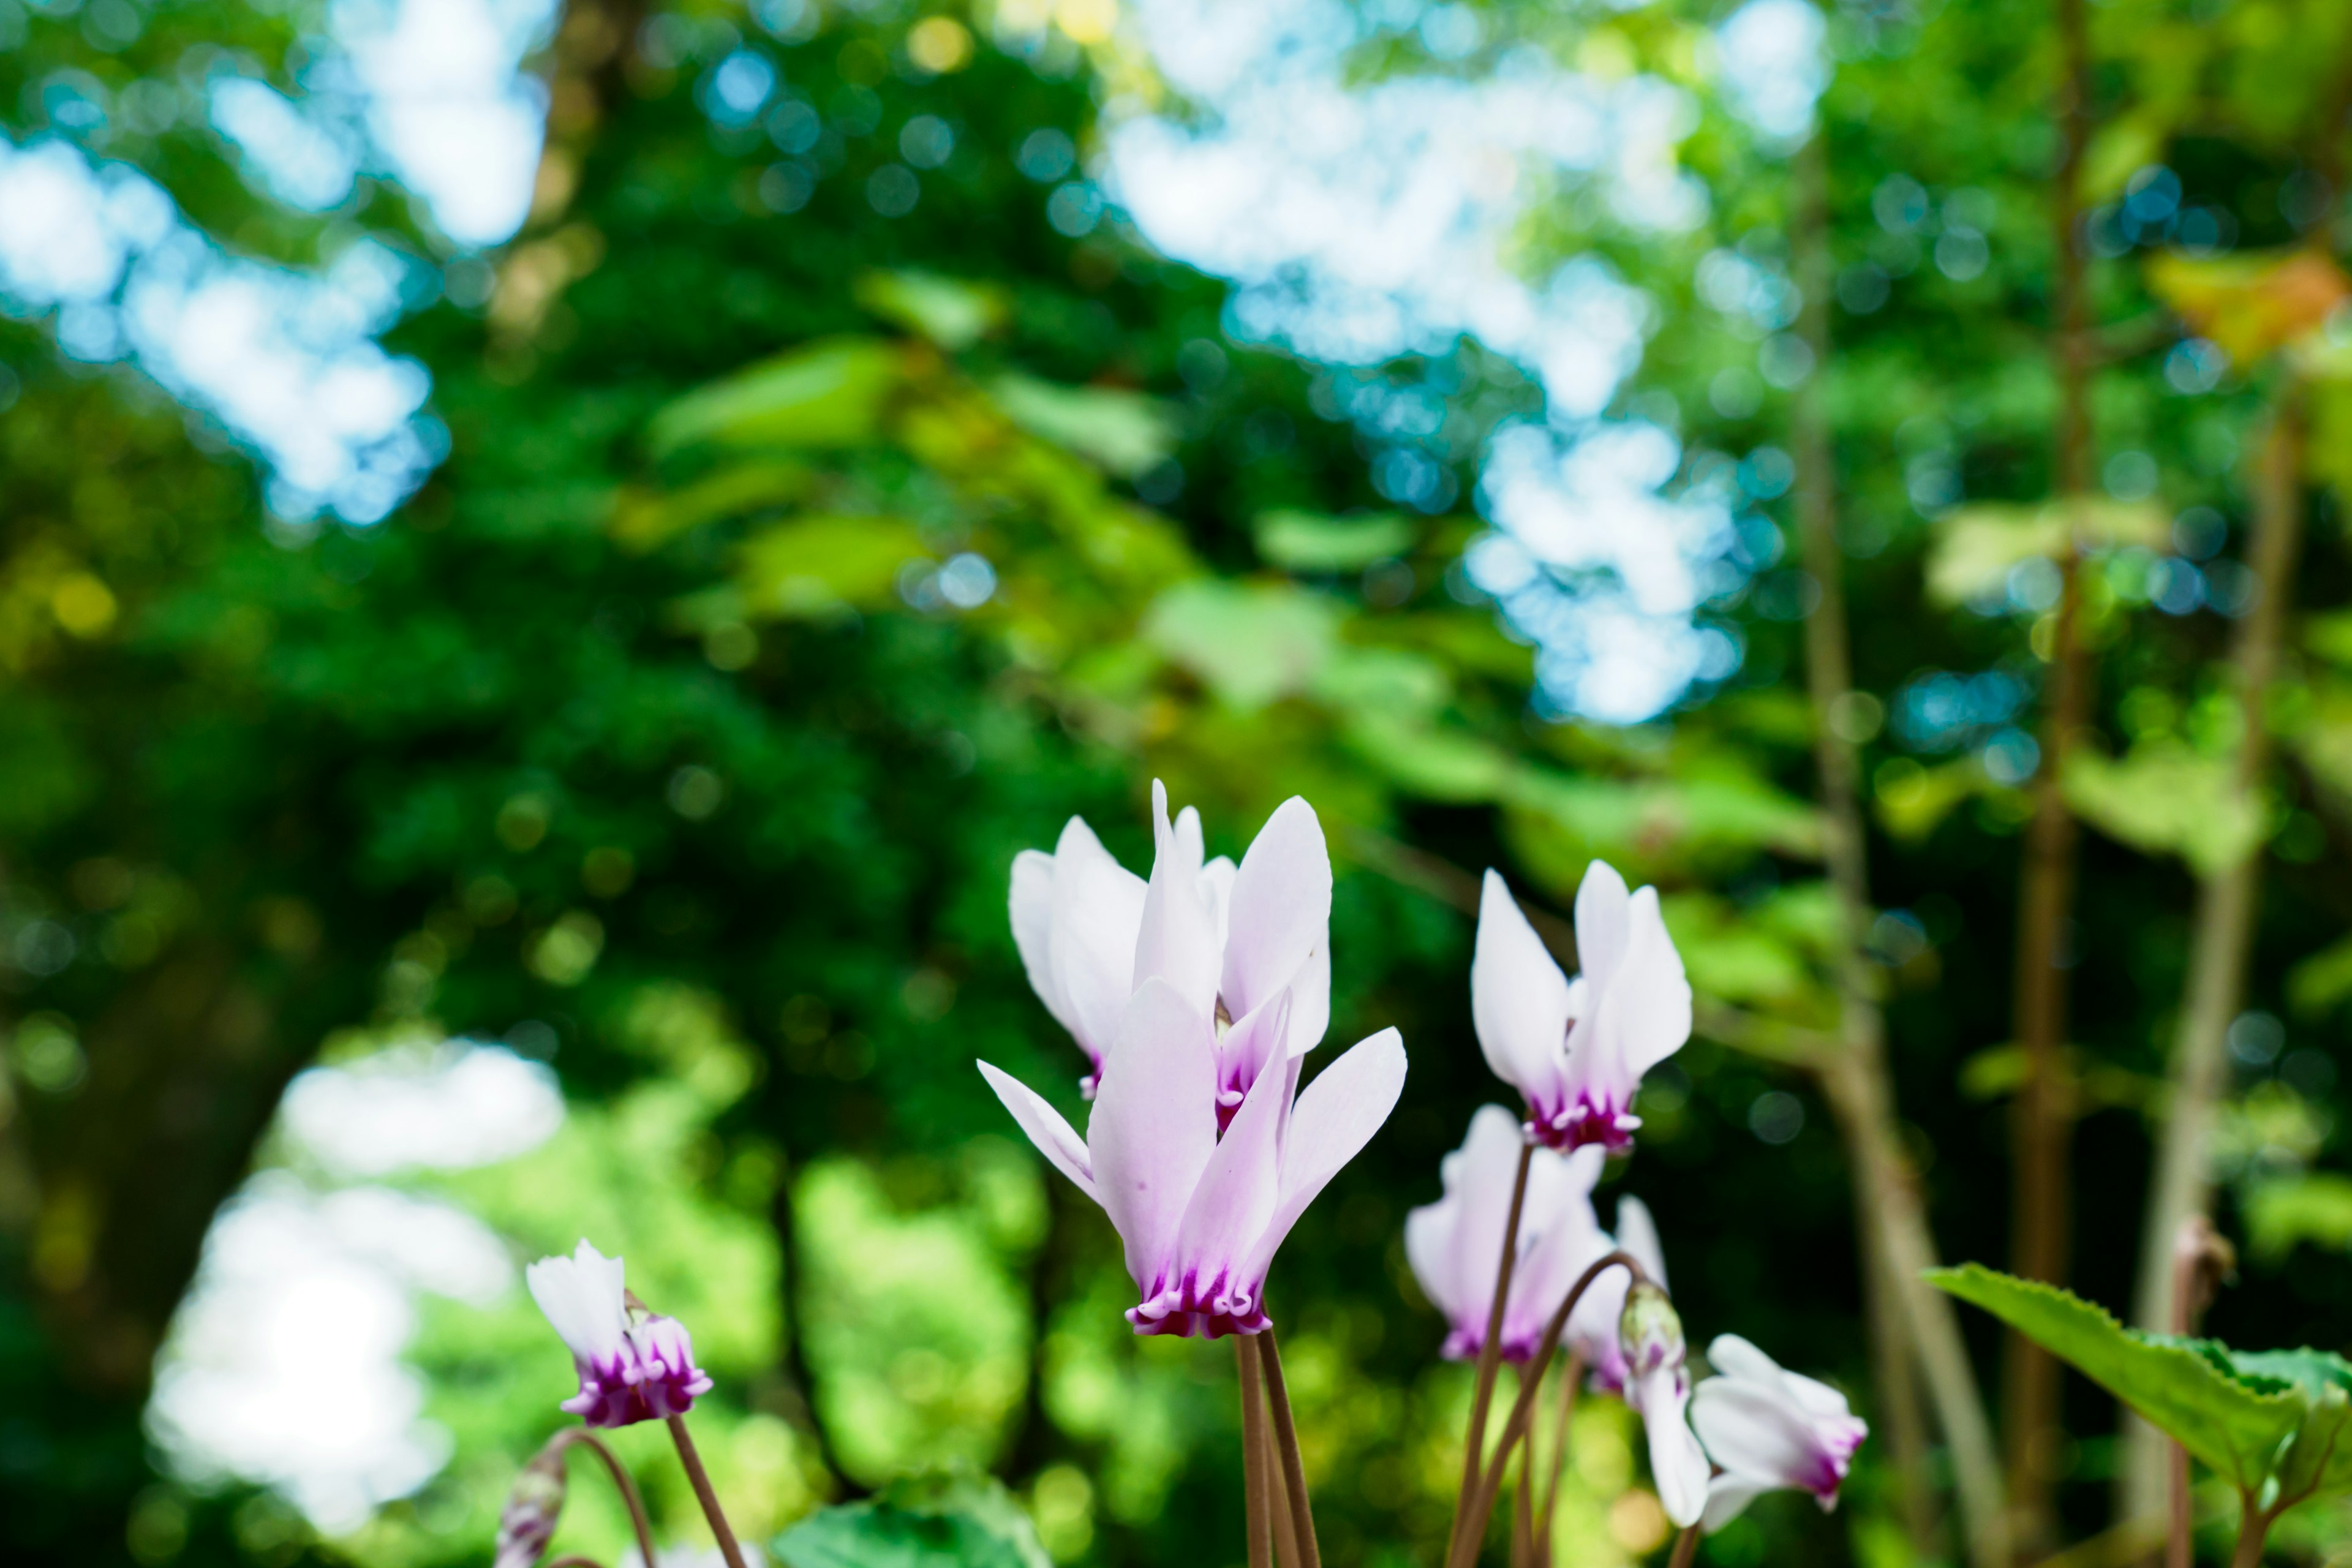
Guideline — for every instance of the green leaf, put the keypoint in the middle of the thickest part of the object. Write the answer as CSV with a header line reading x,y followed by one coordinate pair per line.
x,y
1310,542
2165,798
2231,1418
2320,981
819,565
1977,545
827,395
642,520
933,1521
1249,642
2314,1206
1123,432
953,313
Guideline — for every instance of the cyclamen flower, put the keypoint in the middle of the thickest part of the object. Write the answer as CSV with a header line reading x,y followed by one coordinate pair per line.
x,y
1228,938
633,1367
1770,1429
527,1524
1457,1244
1592,1328
1577,1050
1201,1215
1658,1388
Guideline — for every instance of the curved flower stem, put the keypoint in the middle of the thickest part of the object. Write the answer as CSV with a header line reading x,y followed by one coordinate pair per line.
x,y
1490,1353
1523,1508
1255,1470
703,1493
2253,1527
1570,1377
1294,1468
582,1437
1685,1547
1464,1548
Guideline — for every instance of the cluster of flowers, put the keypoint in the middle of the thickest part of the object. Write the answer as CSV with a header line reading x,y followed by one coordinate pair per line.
x,y
1197,994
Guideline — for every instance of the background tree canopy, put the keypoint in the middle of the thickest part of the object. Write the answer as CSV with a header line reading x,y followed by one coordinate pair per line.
x,y
549,563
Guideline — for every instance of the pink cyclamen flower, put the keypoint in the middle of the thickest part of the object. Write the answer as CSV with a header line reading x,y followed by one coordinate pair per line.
x,y
1770,1429
1201,1215
1228,938
1577,1050
633,1365
1658,1389
1455,1244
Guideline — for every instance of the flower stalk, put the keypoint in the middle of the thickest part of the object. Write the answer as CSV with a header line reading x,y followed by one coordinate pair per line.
x,y
1257,1471
704,1493
1490,1351
1294,1467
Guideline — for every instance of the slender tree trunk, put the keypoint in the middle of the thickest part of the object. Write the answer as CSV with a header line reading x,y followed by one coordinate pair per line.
x,y
2223,937
1894,1302
2044,1111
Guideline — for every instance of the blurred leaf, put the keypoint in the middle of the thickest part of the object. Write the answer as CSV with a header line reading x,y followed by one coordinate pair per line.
x,y
2250,304
2314,1206
1125,432
828,394
2320,981
1733,957
643,518
2330,636
953,313
47,778
1310,542
950,1522
818,565
1976,546
1428,760
2122,146
2164,798
2232,1417
1250,642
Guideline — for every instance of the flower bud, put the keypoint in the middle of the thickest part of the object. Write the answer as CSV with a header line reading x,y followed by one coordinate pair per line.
x,y
1650,1332
532,1510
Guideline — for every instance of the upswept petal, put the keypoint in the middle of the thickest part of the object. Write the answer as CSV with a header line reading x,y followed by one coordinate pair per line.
x,y
1097,912
583,1296
1054,1137
1677,1464
1032,906
1601,913
1477,1179
1331,1122
1637,1235
1217,890
1177,940
1237,1191
1645,1012
1246,1049
1519,998
1726,1497
1429,1233
1154,1124
1568,1237
1310,1002
1751,1431
1281,907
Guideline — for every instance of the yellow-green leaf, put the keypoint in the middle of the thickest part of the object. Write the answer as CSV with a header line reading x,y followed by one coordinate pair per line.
x,y
953,313
1124,432
820,565
827,395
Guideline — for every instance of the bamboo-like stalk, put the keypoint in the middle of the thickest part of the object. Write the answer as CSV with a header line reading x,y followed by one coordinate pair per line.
x,y
2045,1112
2222,936
1891,1300
691,1457
1256,1454
1490,1353
1294,1465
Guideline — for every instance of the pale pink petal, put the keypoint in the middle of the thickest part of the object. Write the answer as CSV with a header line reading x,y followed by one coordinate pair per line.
x,y
1154,1124
1601,903
1563,1236
1478,1178
1637,1234
1334,1119
1645,1012
1177,940
583,1299
1727,1496
1237,1191
1310,1002
1281,907
1098,910
1750,1431
1044,1126
1519,998
1732,1356
1679,1465
1032,904
1253,1042
1217,890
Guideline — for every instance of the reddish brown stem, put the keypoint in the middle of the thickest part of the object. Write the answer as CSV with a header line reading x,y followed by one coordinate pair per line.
x,y
1294,1464
1490,1353
1255,1452
1685,1547
580,1436
691,1459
